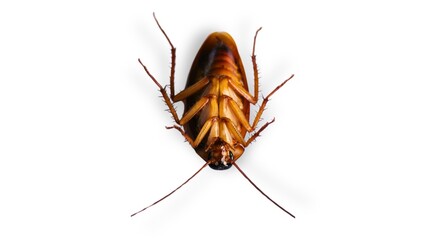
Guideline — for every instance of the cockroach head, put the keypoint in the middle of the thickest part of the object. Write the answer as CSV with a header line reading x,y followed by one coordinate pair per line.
x,y
221,155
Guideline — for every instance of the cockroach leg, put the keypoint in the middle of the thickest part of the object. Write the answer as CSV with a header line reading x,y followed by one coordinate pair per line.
x,y
163,93
194,110
257,133
204,130
243,92
231,127
255,69
265,101
173,64
238,113
187,138
191,90
256,85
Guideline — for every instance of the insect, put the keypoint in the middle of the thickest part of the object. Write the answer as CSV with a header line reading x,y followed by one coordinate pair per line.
x,y
216,104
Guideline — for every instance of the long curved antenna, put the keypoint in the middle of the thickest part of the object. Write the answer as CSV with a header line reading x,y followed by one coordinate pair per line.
x,y
254,185
161,199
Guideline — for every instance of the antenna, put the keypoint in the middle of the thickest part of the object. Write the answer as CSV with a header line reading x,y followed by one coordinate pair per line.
x,y
258,189
161,199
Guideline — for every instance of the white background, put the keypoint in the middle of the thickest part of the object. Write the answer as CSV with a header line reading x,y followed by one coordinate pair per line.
x,y
83,143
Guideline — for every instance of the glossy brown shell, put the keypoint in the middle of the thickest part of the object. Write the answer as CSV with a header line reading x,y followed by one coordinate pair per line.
x,y
217,44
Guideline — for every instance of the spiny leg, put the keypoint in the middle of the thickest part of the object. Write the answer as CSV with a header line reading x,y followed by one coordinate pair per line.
x,y
265,101
172,76
186,136
187,92
184,94
257,133
163,93
256,84
238,112
229,102
173,64
255,70
250,98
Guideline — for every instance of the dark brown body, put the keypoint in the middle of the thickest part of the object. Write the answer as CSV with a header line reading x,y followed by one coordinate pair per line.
x,y
219,61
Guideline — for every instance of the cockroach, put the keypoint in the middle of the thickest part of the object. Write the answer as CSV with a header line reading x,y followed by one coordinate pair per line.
x,y
216,104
